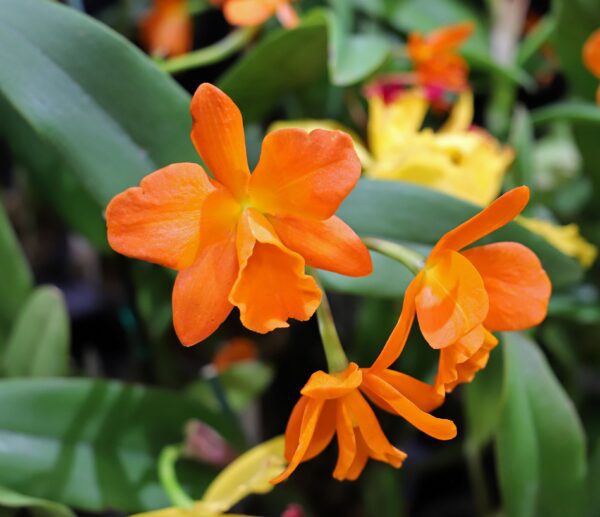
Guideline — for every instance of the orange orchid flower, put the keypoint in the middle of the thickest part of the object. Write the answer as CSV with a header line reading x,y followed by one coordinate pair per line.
x,y
241,239
461,296
335,404
248,13
234,351
435,58
591,57
167,30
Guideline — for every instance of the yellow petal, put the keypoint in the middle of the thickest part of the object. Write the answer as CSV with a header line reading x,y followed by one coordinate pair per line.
x,y
249,474
461,116
565,238
331,125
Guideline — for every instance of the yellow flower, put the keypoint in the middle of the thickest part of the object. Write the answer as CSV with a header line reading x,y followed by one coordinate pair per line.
x,y
565,238
248,474
459,160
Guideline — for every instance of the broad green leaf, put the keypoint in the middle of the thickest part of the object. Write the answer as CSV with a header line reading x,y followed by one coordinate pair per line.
x,y
540,444
242,382
410,213
483,402
17,280
103,107
93,444
284,61
352,57
39,507
38,345
594,481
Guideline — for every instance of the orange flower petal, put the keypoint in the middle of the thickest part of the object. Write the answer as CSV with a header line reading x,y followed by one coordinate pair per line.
x,y
305,175
420,393
452,300
360,458
346,442
591,53
271,286
517,285
395,343
292,430
496,215
287,16
167,29
218,134
200,301
159,221
331,244
248,13
331,386
450,37
436,427
310,420
234,351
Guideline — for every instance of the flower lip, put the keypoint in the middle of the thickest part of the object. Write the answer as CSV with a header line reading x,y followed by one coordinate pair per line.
x,y
327,386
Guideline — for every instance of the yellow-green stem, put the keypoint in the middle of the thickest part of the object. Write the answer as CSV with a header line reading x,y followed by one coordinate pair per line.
x,y
410,259
224,48
168,478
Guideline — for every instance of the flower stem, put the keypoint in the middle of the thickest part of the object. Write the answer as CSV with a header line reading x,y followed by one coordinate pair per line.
x,y
220,50
168,478
332,346
412,260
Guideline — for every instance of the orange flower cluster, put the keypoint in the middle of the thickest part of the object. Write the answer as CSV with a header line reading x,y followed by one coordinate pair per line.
x,y
241,239
591,57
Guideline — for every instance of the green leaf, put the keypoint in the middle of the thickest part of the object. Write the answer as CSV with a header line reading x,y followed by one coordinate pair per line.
x,y
38,345
103,107
594,481
352,57
40,507
483,402
243,383
93,444
283,62
569,111
540,444
409,213
17,280
522,140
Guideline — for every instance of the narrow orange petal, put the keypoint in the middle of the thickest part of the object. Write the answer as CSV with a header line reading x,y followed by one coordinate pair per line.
x,y
200,302
452,300
346,442
361,457
517,285
218,134
310,420
167,30
496,215
292,430
330,244
330,386
248,13
159,221
234,351
395,343
436,427
287,16
591,53
450,37
305,175
271,286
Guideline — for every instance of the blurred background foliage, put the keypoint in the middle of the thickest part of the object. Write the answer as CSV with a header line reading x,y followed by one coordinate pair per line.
x,y
94,382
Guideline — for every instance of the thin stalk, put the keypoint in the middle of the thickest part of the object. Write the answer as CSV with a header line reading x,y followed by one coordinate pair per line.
x,y
477,477
168,478
214,53
410,259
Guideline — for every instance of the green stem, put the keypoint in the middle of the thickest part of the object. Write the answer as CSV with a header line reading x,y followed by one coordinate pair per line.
x,y
477,477
412,260
198,6
168,478
224,48
332,346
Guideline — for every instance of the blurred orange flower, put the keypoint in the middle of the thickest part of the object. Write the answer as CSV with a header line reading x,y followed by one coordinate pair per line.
x,y
591,57
234,351
246,13
166,30
435,58
243,239
462,295
335,404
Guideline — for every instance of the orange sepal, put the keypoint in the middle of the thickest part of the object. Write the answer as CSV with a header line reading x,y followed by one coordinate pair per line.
x,y
159,221
305,175
452,300
271,286
218,134
517,285
496,215
331,244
